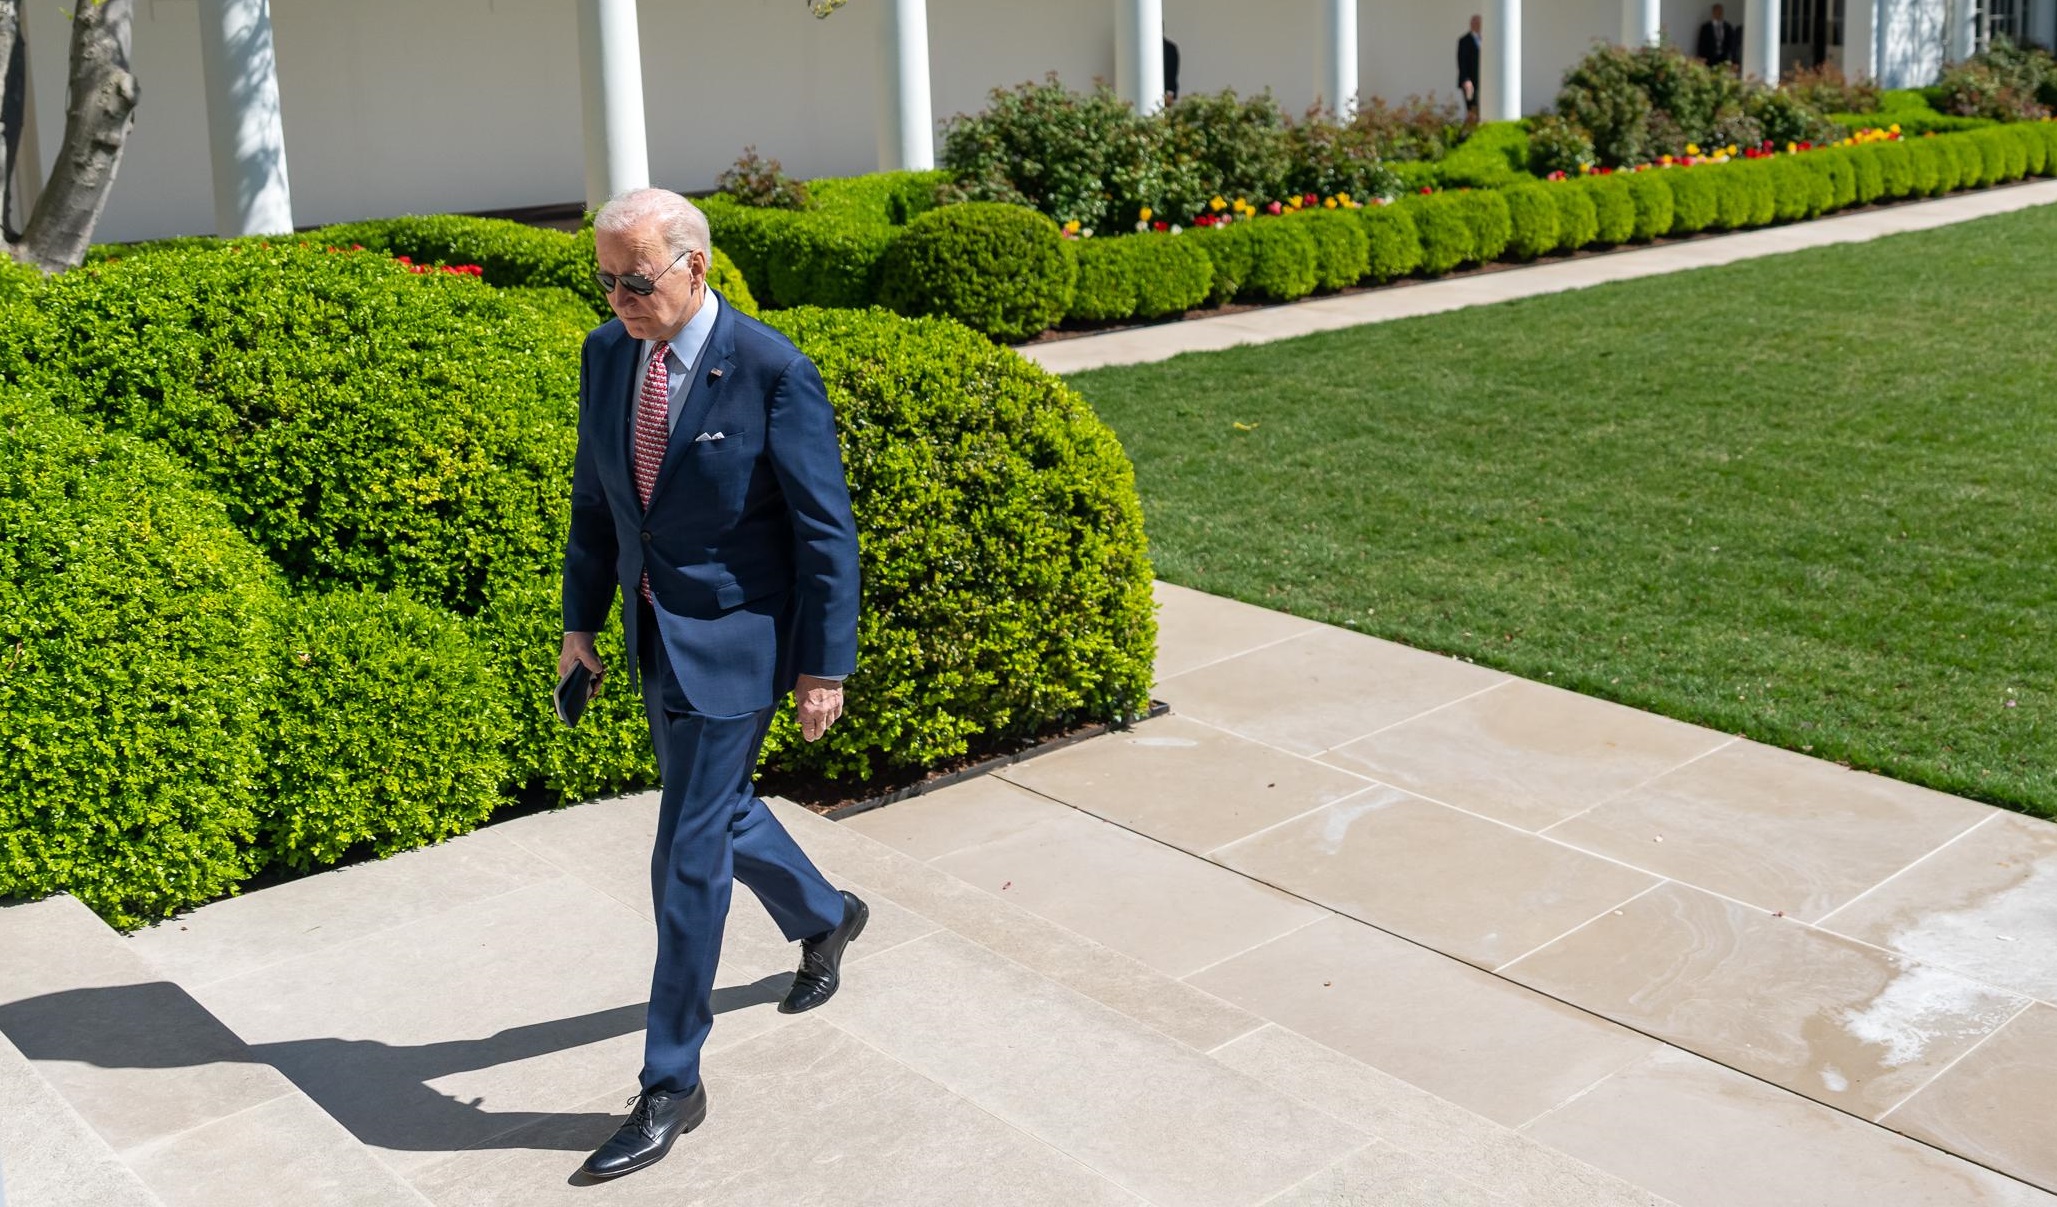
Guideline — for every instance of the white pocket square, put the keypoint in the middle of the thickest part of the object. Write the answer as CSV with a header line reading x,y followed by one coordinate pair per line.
x,y
710,436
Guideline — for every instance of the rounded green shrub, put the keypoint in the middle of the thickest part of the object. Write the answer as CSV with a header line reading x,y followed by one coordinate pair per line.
x,y
1007,583
1532,214
1614,209
1446,235
1491,228
884,198
1395,244
1106,288
366,426
825,260
1342,251
1578,222
1895,169
2047,133
1842,178
1002,270
1173,273
1284,261
1868,171
1694,205
1731,198
374,737
520,631
1971,161
2013,155
1931,171
726,279
135,665
1992,147
1656,205
1230,257
1792,187
1820,184
2035,150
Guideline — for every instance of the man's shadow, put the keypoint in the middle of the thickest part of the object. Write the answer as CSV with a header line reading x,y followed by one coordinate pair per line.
x,y
379,1091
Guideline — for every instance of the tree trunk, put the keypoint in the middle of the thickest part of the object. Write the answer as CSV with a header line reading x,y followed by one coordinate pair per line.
x,y
101,109
13,73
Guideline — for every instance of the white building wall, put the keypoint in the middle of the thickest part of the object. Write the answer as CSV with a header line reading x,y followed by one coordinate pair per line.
x,y
411,106
1912,38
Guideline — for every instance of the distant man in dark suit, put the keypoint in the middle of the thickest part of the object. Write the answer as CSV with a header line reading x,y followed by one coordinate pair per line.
x,y
709,491
1170,69
1720,42
1467,68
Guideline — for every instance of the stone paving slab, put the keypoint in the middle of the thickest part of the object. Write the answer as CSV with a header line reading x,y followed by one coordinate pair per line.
x,y
1143,345
50,1156
1911,1002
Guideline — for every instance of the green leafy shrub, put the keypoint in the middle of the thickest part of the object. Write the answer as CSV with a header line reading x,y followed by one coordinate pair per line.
x,y
1342,251
2006,82
1614,209
1842,178
1533,213
1825,89
17,282
1932,171
1230,257
2035,149
1895,168
1106,288
881,198
822,260
1007,584
999,269
2001,155
1495,155
1282,259
1446,233
1418,129
1761,186
1866,171
1694,206
1971,162
1784,117
134,675
1656,206
1732,202
365,426
1578,222
373,740
755,180
1395,244
1331,158
1491,228
1173,274
1237,146
1088,157
1558,145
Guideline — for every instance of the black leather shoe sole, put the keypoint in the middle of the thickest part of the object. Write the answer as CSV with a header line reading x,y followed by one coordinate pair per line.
x,y
696,1115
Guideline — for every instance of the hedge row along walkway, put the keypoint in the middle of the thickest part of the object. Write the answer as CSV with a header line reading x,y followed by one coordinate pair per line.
x,y
1143,345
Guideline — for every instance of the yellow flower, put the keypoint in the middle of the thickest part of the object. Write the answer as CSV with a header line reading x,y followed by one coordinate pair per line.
x,y
1147,213
1343,197
1071,227
1217,203
1692,148
1732,150
1792,148
1329,204
1585,169
1894,128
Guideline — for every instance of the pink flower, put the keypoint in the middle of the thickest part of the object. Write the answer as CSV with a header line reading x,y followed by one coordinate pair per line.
x,y
1274,208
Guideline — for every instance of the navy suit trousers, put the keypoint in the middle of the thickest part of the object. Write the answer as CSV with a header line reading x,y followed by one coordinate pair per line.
x,y
712,829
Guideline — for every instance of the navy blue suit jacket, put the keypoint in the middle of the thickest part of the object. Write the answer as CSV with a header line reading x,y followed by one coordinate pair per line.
x,y
749,539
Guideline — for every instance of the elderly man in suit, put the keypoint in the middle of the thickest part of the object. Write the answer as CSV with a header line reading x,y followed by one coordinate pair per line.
x,y
1720,42
1467,68
709,489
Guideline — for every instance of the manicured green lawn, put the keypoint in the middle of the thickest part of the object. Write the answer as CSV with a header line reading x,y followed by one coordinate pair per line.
x,y
1810,499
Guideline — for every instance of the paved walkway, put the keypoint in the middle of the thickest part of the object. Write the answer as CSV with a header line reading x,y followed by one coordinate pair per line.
x,y
1141,345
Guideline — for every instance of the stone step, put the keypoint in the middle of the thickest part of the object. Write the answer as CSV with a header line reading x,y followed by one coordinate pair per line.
x,y
178,1099
47,1153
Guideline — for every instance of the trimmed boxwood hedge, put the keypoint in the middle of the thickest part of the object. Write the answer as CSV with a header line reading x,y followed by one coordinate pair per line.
x,y
1532,211
1003,270
1394,241
1656,205
136,658
1447,237
1578,222
1270,260
1491,228
1896,169
1694,204
1614,209
1342,251
366,426
1145,275
1006,579
372,740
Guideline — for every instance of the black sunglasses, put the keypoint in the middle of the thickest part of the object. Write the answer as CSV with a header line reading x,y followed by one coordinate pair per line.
x,y
641,286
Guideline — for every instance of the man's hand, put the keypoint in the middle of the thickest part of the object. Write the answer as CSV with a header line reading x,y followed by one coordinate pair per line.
x,y
818,702
578,647
1466,85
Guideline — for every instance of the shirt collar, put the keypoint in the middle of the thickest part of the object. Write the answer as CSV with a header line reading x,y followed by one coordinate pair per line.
x,y
687,344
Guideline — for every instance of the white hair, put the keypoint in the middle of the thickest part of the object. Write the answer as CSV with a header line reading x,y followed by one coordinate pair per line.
x,y
679,221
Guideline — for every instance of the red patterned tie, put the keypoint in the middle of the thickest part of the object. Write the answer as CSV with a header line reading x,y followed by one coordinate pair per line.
x,y
652,432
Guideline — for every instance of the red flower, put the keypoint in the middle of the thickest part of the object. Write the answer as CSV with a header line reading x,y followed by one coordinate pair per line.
x,y
1426,190
1160,225
1311,199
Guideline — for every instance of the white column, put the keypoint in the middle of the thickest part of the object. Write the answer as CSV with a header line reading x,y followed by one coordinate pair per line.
x,y
906,122
1761,34
1963,19
611,94
1642,22
1500,62
1139,53
1335,68
245,140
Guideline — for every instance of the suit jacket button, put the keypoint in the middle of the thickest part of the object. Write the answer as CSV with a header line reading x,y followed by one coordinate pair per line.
x,y
646,536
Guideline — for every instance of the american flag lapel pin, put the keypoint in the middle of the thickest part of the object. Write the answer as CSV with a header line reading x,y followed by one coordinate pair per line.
x,y
714,374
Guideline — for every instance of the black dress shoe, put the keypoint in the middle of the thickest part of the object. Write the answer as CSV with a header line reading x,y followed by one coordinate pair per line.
x,y
657,1120
821,959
